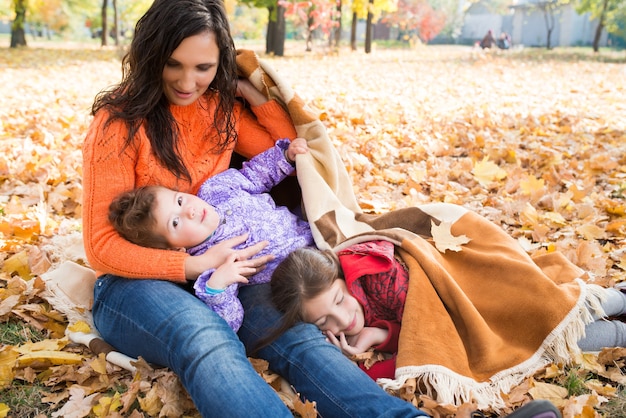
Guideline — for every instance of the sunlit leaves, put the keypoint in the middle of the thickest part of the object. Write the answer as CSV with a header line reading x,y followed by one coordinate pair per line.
x,y
538,147
486,172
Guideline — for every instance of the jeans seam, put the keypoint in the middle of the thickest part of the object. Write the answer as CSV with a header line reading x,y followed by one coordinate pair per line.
x,y
293,361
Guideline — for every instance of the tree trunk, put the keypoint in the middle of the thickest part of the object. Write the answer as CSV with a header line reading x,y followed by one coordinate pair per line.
x,y
116,24
18,35
368,28
355,20
271,31
105,28
596,38
309,34
275,39
337,37
548,15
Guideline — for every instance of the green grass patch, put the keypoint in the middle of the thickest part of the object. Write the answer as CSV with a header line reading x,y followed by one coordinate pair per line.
x,y
15,333
25,400
574,382
616,407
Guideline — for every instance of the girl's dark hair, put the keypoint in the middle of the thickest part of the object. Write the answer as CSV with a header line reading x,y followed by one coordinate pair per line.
x,y
131,214
139,100
303,275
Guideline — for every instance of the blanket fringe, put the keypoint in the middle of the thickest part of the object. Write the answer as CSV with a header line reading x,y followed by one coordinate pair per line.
x,y
560,346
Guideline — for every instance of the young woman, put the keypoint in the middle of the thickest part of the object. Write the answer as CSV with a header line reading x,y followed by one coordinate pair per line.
x,y
174,121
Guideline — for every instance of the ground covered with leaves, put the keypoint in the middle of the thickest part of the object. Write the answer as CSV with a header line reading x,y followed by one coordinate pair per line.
x,y
534,140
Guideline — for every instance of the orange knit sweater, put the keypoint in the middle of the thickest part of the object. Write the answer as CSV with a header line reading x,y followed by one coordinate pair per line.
x,y
109,171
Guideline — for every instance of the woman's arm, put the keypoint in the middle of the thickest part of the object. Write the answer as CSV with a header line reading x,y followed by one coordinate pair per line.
x,y
250,94
261,128
107,172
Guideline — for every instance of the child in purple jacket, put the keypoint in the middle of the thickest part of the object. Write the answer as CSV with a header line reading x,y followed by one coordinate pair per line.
x,y
230,204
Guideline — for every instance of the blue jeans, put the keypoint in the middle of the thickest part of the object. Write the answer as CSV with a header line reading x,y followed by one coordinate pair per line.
x,y
166,325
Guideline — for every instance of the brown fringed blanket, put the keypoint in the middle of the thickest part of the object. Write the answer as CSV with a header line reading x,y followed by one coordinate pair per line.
x,y
480,313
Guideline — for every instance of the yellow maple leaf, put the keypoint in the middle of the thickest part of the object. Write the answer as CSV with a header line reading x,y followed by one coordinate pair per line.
x,y
99,364
444,240
600,388
80,326
531,185
555,218
8,358
107,404
589,361
48,344
590,232
486,172
151,403
4,410
554,393
46,357
18,263
615,208
578,194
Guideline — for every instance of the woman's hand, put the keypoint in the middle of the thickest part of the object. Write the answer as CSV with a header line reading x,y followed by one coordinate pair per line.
x,y
359,343
246,90
217,255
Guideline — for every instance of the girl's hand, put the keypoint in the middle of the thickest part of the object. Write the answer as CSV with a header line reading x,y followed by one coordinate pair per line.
x,y
219,253
232,271
359,343
297,146
246,90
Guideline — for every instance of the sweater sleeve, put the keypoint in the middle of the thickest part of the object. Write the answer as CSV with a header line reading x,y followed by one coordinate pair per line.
x,y
268,118
107,172
225,304
267,169
390,345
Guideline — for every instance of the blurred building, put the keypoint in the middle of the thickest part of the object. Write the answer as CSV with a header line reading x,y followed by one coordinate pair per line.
x,y
526,23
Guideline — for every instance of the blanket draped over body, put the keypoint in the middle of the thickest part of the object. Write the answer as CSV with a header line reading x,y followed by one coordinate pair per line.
x,y
478,318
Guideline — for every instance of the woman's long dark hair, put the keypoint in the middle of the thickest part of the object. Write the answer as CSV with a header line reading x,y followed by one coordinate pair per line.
x,y
139,99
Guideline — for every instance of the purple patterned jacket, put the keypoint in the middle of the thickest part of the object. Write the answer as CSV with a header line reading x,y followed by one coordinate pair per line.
x,y
243,203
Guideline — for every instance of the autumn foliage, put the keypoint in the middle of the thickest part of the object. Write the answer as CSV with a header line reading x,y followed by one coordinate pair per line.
x,y
416,18
536,143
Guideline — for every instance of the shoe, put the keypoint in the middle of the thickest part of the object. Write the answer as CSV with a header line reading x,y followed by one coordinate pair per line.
x,y
536,409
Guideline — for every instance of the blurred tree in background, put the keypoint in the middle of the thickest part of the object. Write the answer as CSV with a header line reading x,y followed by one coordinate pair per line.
x,y
609,13
18,35
406,21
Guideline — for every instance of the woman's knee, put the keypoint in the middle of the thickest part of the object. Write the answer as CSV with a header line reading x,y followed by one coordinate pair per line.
x,y
158,320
